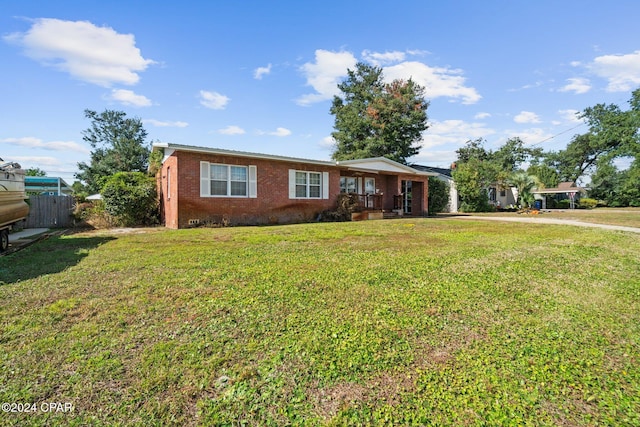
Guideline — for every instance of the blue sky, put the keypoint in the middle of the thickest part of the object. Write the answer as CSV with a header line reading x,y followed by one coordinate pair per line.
x,y
260,75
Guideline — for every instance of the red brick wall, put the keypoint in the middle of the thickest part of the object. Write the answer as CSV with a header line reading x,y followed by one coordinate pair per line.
x,y
272,206
169,193
419,202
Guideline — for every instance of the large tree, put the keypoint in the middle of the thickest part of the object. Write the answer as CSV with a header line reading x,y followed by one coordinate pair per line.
x,y
477,169
377,119
119,145
473,173
612,133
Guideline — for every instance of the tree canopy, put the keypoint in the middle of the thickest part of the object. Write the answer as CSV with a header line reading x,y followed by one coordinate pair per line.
x,y
377,119
119,145
477,169
613,135
35,172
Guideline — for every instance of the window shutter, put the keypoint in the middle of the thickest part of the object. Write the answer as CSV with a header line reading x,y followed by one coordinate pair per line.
x,y
325,185
292,184
205,182
253,182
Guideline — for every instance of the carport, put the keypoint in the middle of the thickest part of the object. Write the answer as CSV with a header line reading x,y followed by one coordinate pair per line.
x,y
568,188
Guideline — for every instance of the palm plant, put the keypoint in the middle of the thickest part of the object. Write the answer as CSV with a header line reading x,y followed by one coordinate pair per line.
x,y
524,183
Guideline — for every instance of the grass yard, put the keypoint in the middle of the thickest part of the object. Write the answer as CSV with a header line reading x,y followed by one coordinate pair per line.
x,y
398,322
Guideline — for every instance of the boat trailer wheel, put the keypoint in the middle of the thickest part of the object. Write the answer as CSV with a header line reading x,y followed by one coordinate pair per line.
x,y
4,240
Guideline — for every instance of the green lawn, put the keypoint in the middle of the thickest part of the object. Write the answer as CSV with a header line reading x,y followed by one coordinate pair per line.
x,y
398,322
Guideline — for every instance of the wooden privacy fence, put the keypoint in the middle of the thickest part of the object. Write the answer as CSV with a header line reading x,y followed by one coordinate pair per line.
x,y
50,212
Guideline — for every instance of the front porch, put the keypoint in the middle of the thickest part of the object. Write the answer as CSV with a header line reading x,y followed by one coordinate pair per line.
x,y
372,206
381,188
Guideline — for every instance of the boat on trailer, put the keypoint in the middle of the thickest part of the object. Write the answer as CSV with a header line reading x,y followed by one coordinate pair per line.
x,y
13,207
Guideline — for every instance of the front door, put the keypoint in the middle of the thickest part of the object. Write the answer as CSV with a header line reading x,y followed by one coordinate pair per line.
x,y
369,188
406,197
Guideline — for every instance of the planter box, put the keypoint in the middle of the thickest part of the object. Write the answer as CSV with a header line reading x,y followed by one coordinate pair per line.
x,y
362,216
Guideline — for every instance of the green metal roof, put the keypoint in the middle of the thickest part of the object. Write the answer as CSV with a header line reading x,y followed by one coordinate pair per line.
x,y
47,184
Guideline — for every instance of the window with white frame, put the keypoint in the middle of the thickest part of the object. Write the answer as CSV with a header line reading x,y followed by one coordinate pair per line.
x,y
308,185
220,180
370,186
348,184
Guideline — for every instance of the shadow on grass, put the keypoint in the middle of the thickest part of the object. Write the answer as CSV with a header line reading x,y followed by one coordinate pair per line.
x,y
51,255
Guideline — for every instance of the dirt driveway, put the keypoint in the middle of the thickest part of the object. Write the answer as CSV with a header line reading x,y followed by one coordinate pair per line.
x,y
538,220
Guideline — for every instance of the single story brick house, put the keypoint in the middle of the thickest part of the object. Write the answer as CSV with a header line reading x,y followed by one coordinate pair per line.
x,y
200,185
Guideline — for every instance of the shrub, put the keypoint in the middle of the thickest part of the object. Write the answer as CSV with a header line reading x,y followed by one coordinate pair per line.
x,y
478,202
131,197
346,205
587,203
563,204
93,214
438,195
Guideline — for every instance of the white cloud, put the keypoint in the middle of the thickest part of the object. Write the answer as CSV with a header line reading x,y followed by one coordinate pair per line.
x,y
570,116
159,123
378,59
437,158
329,68
455,132
481,116
97,55
32,142
324,74
622,71
232,130
281,132
526,117
37,160
528,86
577,85
213,100
261,71
443,138
128,97
437,81
328,142
531,136
278,132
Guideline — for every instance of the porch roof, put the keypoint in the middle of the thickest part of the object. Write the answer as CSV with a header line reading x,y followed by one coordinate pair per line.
x,y
563,187
382,165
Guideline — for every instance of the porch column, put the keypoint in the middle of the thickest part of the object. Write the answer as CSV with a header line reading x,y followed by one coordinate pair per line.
x,y
424,197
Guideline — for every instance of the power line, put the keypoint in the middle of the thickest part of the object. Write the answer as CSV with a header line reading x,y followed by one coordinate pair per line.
x,y
558,134
569,130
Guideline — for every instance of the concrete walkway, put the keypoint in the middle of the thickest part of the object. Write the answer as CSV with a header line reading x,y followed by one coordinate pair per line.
x,y
538,220
24,238
27,233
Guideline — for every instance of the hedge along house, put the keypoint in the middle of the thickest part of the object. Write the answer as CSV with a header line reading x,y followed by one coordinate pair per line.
x,y
199,185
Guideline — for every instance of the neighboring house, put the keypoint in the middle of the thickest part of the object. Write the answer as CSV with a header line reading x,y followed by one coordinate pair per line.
x,y
208,185
502,197
46,185
444,175
564,191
